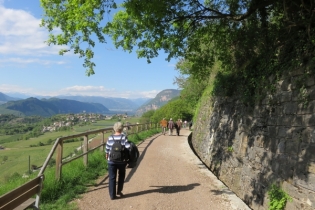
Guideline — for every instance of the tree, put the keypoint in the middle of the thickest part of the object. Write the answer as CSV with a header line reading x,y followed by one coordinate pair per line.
x,y
176,109
146,117
251,40
192,86
176,26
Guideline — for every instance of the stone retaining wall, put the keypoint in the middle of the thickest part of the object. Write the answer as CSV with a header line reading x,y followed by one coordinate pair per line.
x,y
274,142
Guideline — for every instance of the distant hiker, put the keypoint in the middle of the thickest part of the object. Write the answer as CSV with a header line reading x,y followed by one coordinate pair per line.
x,y
163,124
171,126
185,124
190,124
117,150
178,126
126,128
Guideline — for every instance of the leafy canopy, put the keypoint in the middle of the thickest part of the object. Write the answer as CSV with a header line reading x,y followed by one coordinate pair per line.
x,y
146,117
176,109
79,21
175,26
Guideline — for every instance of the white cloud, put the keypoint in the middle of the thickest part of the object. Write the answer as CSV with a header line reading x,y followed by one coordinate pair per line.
x,y
5,88
20,33
98,91
91,91
87,89
30,60
80,90
149,94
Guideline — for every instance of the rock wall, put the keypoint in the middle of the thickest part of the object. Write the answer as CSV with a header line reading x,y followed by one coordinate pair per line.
x,y
249,148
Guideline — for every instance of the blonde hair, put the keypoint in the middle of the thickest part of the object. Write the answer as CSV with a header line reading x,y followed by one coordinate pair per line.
x,y
118,127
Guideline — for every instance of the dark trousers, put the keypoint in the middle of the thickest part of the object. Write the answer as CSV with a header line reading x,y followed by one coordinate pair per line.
x,y
112,170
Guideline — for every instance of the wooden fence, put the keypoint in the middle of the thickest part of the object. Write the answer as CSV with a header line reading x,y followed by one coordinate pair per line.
x,y
58,145
21,196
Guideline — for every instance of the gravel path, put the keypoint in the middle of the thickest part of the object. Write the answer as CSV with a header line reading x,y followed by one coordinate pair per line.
x,y
169,176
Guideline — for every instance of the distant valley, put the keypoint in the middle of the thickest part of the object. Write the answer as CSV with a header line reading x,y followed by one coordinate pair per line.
x,y
113,104
49,106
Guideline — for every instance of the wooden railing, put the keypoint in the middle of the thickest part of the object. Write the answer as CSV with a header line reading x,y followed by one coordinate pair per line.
x,y
58,146
21,197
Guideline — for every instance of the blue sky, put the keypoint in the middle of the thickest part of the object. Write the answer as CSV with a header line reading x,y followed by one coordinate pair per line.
x,y
29,66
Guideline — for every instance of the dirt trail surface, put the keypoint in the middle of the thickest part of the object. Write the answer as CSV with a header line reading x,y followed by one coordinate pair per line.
x,y
168,176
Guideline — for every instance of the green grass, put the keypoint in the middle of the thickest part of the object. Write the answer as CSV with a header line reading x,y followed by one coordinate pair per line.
x,y
75,178
43,138
9,138
18,158
101,124
14,182
15,159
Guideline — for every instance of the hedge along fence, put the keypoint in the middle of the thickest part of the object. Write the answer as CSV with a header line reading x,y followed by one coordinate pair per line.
x,y
58,146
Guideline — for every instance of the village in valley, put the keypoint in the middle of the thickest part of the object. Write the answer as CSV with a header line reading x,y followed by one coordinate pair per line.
x,y
65,122
73,119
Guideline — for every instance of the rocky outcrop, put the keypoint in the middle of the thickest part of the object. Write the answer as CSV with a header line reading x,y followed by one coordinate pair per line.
x,y
249,148
161,99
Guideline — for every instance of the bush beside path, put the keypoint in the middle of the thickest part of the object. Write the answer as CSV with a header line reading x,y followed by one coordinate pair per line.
x,y
169,176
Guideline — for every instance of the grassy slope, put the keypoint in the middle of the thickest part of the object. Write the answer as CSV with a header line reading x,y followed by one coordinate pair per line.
x,y
18,152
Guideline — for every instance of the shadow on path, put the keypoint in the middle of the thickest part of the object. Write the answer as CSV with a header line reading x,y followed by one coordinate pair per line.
x,y
164,189
133,170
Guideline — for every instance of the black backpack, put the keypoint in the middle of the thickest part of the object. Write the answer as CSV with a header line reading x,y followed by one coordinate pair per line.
x,y
117,152
133,155
175,125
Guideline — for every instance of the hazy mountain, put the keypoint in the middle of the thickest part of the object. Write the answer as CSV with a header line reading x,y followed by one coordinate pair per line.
x,y
19,96
141,101
161,99
52,106
113,104
4,98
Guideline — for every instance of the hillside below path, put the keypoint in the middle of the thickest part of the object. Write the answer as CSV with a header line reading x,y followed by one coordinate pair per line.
x,y
169,176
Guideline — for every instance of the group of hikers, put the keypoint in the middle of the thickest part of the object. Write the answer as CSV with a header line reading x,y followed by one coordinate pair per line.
x,y
171,125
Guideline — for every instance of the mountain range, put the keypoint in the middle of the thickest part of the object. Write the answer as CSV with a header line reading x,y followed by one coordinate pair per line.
x,y
48,106
113,104
160,99
4,98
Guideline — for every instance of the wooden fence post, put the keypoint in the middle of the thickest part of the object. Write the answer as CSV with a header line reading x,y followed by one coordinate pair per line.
x,y
85,149
37,199
59,159
103,141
